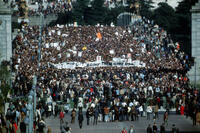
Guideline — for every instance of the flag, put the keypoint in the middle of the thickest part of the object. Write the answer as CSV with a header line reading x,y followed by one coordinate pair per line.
x,y
178,46
84,48
99,35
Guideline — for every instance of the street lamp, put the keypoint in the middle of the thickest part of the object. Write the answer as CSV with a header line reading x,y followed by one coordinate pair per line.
x,y
30,114
34,94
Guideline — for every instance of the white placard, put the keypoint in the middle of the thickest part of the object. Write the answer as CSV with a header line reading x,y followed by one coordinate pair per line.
x,y
98,58
112,51
59,33
80,54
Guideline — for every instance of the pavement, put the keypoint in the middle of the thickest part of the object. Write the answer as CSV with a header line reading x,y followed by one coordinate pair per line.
x,y
184,124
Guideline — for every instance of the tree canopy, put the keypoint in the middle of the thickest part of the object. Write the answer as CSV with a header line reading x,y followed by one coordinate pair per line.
x,y
5,85
177,22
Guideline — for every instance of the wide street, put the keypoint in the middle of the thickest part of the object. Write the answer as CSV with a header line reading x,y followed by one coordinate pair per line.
x,y
184,125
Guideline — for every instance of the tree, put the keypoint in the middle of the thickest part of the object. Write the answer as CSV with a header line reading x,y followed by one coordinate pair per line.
x,y
64,18
176,22
182,32
164,16
98,12
79,8
112,14
5,86
145,8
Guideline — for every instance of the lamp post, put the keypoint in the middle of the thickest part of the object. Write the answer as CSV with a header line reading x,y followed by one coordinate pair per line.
x,y
30,113
195,74
34,94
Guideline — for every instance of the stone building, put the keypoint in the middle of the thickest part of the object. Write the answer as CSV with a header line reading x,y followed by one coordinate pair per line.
x,y
5,32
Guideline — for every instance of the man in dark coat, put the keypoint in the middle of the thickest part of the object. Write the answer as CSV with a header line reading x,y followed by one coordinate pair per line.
x,y
88,116
174,129
155,128
149,129
162,128
80,119
96,115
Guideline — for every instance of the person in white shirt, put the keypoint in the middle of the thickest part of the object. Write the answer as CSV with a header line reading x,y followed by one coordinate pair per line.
x,y
149,111
141,110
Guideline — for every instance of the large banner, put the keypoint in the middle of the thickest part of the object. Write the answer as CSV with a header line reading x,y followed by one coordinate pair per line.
x,y
74,65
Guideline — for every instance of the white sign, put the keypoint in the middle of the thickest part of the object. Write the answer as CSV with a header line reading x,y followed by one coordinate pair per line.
x,y
98,59
112,51
73,65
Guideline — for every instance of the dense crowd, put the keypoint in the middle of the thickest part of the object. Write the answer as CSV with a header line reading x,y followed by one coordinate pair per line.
x,y
106,93
51,7
47,7
35,8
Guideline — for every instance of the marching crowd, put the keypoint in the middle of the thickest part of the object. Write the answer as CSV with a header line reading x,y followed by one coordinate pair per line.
x,y
47,7
105,93
51,7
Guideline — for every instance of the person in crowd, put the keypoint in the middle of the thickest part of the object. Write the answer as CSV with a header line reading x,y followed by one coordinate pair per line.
x,y
62,116
131,130
96,115
80,119
49,130
149,111
194,118
155,128
165,118
106,112
73,115
22,125
174,129
149,129
124,130
162,128
56,110
198,117
88,116
141,110
41,126
133,113
156,111
65,127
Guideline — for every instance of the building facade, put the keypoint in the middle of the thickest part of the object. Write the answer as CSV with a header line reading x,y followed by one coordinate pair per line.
x,y
195,71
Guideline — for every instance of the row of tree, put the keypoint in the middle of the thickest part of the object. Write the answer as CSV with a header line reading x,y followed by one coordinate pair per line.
x,y
5,83
176,21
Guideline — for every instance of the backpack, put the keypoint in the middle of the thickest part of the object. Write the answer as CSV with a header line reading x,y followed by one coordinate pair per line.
x,y
41,126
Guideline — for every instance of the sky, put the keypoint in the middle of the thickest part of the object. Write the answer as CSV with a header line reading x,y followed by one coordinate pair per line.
x,y
173,3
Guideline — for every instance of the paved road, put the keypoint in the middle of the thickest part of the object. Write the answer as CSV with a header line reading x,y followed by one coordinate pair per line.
x,y
184,125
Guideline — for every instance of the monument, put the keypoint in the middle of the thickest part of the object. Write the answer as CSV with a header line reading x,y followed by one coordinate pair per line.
x,y
194,73
5,32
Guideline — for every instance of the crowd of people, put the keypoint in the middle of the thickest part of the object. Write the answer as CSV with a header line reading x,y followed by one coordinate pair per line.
x,y
35,8
47,7
51,7
105,93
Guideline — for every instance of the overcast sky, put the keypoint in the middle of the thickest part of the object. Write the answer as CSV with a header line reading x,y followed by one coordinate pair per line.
x,y
173,3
